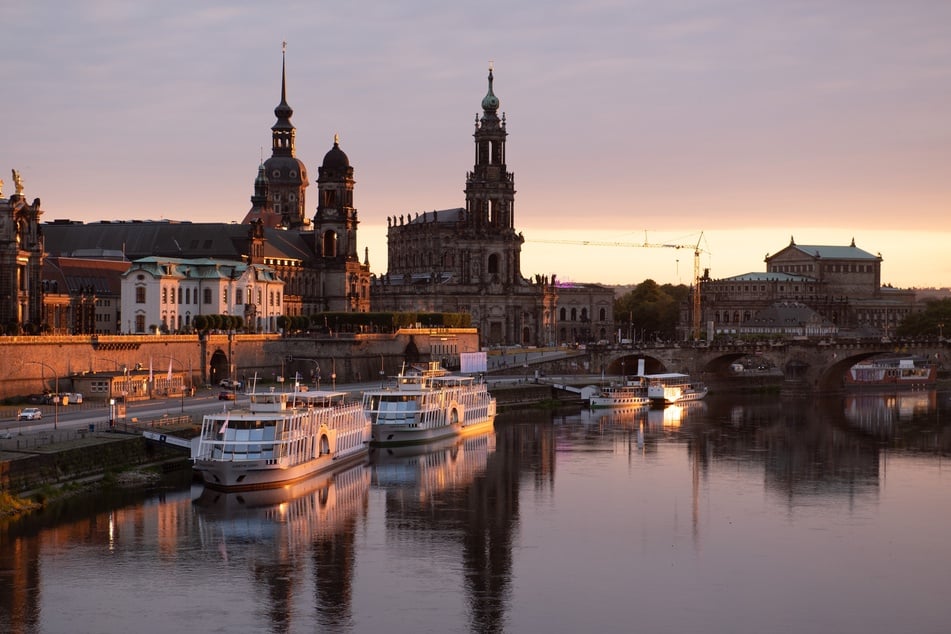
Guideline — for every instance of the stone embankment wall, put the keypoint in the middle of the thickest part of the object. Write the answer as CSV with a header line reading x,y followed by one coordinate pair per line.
x,y
91,458
28,365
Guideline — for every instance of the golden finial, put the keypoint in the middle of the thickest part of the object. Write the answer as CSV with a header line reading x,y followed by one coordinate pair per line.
x,y
491,65
336,139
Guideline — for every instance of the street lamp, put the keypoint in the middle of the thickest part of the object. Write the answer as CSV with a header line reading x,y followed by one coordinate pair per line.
x,y
55,400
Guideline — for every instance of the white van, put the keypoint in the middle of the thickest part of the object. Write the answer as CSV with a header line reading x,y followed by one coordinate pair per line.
x,y
75,398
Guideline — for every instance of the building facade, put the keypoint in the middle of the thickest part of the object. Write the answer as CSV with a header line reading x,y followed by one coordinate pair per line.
x,y
168,293
841,284
468,259
82,295
21,262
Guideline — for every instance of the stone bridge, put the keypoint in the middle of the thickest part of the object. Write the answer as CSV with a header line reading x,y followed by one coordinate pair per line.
x,y
804,365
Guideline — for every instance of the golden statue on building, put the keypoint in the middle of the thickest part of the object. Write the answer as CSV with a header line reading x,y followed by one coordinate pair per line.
x,y
17,182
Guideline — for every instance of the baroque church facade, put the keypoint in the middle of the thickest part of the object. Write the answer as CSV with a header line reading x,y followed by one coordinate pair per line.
x,y
468,260
315,258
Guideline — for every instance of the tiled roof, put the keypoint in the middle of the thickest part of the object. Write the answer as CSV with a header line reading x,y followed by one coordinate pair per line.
x,y
835,252
141,239
766,277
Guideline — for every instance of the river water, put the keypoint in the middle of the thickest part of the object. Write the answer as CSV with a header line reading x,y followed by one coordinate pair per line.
x,y
736,514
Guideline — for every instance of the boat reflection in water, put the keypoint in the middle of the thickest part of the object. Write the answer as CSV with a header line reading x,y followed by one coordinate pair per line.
x,y
442,465
674,415
645,426
284,532
670,416
879,412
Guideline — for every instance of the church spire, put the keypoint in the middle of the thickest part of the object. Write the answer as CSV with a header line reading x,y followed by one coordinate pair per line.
x,y
286,174
282,132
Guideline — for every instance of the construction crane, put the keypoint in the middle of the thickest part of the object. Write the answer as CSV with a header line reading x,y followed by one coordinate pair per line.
x,y
656,245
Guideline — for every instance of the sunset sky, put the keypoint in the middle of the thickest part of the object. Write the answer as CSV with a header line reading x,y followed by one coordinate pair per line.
x,y
751,121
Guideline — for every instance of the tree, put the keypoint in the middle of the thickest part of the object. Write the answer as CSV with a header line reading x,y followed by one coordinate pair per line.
x,y
650,310
930,322
200,322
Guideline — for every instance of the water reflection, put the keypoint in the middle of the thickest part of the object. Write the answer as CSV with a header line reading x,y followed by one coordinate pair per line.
x,y
276,529
449,499
566,521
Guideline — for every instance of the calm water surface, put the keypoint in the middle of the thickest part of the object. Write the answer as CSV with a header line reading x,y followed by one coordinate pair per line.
x,y
733,515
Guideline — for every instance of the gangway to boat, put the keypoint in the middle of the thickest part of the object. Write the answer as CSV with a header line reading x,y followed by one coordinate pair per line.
x,y
168,439
585,392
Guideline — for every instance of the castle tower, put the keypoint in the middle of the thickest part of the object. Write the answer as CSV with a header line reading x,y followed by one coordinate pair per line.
x,y
335,223
286,174
261,210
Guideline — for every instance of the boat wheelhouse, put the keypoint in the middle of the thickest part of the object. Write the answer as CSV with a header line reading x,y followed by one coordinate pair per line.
x,y
280,437
428,404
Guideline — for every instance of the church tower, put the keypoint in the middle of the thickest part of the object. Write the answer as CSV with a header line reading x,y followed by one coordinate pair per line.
x,y
345,282
490,195
286,174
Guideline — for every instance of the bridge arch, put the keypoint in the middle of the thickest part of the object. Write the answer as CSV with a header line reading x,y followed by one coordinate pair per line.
x,y
806,365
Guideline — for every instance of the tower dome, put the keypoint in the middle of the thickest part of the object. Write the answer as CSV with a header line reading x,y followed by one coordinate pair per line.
x,y
490,103
336,159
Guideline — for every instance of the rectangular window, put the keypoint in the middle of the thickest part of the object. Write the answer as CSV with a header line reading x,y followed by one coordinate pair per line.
x,y
238,296
140,295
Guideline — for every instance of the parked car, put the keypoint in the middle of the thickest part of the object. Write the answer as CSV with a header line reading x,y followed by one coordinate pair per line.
x,y
30,413
224,395
231,384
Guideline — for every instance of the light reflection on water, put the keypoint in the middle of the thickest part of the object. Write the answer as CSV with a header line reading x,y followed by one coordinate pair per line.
x,y
732,514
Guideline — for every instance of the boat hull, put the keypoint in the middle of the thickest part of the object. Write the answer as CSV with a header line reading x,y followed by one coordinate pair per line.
x,y
600,402
382,435
246,475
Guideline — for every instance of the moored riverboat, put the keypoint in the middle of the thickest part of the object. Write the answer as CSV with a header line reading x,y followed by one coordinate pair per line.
x,y
629,394
427,404
672,388
896,372
280,437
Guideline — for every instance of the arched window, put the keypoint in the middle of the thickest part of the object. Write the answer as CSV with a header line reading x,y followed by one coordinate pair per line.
x,y
329,248
562,314
602,315
574,314
494,264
